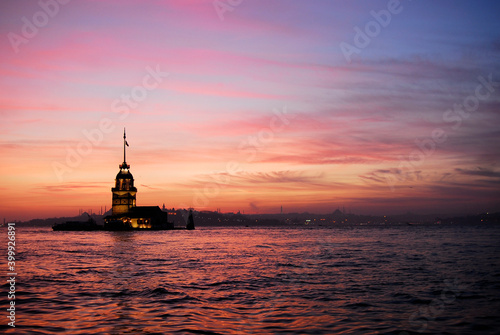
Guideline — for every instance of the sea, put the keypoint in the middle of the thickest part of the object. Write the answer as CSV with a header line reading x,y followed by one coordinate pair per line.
x,y
408,279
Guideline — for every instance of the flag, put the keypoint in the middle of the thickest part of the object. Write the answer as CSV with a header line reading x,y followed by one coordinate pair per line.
x,y
126,143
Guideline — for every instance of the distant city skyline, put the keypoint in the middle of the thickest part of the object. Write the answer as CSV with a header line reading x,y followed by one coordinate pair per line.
x,y
383,107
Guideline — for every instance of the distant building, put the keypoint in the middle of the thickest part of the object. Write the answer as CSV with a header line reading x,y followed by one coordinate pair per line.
x,y
125,214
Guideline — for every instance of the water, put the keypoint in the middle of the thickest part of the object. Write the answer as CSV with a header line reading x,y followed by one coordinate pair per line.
x,y
359,280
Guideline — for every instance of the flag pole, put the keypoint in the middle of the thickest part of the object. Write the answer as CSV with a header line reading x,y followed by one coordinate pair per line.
x,y
124,141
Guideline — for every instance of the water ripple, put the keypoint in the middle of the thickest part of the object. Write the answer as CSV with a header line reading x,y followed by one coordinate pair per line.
x,y
260,281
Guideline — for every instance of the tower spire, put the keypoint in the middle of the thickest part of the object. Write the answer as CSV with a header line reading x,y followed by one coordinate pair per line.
x,y
124,144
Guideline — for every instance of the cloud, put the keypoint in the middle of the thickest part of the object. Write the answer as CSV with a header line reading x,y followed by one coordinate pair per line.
x,y
271,180
150,187
482,172
392,177
74,187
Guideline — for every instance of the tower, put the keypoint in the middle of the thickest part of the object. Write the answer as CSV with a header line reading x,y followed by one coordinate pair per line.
x,y
124,191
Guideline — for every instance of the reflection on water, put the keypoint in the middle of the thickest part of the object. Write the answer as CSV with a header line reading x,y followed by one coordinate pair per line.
x,y
261,281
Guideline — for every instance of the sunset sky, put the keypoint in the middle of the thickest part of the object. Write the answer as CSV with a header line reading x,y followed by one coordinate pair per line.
x,y
378,106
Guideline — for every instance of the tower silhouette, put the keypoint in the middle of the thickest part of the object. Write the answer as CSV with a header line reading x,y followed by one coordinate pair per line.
x,y
124,191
